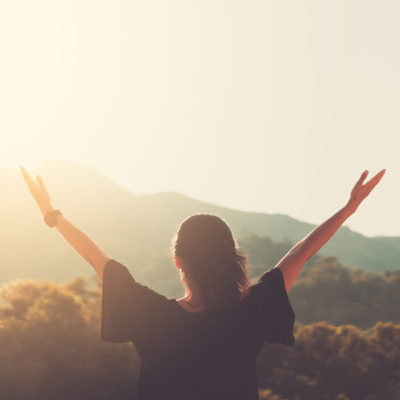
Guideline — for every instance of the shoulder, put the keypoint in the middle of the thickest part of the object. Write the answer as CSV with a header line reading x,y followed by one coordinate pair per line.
x,y
273,275
118,279
270,284
114,265
113,269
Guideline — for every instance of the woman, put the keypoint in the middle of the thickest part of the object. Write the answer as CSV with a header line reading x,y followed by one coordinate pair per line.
x,y
204,345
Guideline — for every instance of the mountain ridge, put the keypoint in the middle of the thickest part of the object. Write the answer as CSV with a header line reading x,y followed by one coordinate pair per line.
x,y
138,228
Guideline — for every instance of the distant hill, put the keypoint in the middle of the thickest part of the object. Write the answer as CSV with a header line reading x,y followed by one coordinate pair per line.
x,y
137,229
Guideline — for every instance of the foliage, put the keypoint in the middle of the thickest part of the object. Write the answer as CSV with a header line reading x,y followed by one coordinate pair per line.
x,y
50,348
326,290
335,362
330,292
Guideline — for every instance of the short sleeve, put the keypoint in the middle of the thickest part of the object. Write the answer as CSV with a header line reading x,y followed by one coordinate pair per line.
x,y
276,310
128,308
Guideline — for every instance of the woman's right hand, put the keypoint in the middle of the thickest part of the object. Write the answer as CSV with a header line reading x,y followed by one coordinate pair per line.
x,y
360,191
38,191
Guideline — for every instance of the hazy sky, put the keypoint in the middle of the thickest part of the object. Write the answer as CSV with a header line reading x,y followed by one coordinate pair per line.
x,y
273,106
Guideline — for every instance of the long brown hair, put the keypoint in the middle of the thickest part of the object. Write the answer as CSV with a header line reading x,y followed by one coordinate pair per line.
x,y
211,257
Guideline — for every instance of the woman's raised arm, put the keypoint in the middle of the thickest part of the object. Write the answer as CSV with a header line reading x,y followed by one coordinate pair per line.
x,y
85,246
292,262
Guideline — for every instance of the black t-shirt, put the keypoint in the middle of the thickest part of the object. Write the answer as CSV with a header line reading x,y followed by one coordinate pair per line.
x,y
195,356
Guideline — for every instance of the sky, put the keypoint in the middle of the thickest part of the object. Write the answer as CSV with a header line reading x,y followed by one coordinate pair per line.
x,y
268,106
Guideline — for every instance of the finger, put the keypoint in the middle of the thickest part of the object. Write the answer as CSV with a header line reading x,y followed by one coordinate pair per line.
x,y
362,178
41,184
374,181
28,180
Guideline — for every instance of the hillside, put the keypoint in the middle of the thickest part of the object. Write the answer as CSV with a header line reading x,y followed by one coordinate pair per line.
x,y
137,229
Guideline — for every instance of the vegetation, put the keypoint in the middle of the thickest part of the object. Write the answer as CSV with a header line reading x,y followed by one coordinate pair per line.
x,y
328,291
334,362
51,347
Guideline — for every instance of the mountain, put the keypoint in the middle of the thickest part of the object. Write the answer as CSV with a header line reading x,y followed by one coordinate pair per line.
x,y
137,229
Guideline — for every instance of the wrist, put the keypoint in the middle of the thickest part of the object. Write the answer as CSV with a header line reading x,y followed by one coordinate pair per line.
x,y
46,209
51,217
349,209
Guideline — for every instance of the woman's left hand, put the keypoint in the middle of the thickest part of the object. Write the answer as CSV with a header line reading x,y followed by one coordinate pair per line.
x,y
38,191
361,191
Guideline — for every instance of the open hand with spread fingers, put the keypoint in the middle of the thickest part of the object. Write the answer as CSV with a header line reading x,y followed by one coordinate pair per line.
x,y
82,243
293,261
361,191
38,191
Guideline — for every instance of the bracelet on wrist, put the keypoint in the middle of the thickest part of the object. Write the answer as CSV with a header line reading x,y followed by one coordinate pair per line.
x,y
51,217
